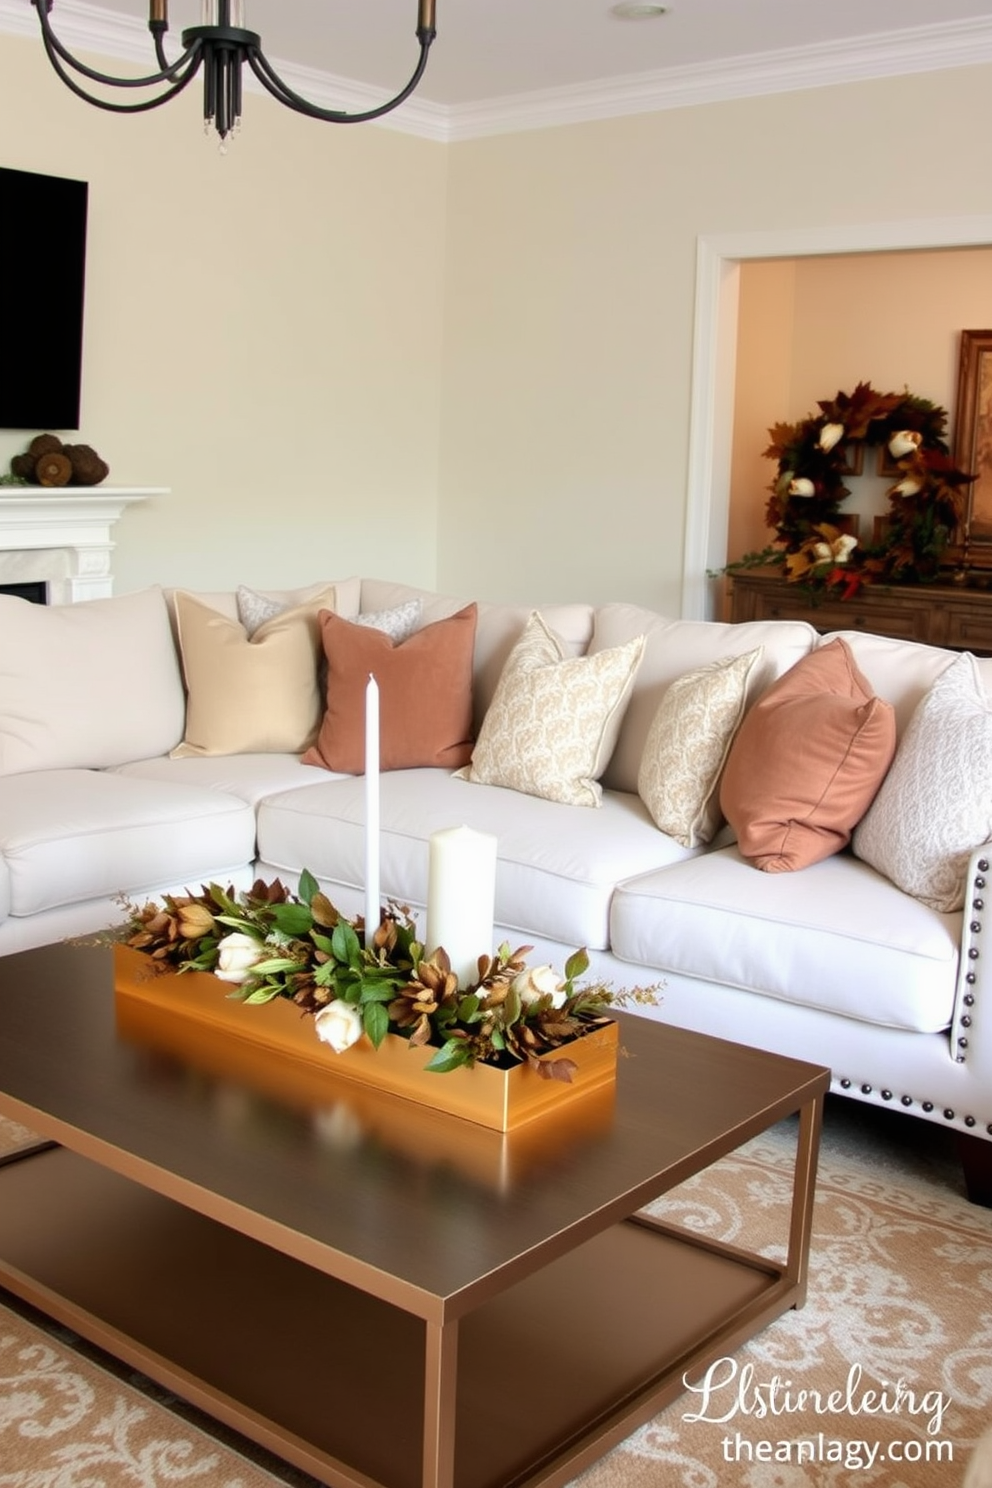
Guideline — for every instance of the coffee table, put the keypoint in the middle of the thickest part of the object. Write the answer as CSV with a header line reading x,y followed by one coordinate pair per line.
x,y
381,1296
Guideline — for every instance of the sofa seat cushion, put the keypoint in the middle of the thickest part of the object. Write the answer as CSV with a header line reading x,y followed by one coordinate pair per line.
x,y
4,889
557,864
838,936
247,776
72,835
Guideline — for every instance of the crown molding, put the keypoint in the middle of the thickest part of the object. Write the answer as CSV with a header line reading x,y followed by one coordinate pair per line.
x,y
890,54
918,49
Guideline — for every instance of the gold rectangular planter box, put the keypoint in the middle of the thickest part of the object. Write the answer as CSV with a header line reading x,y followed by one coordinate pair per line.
x,y
501,1100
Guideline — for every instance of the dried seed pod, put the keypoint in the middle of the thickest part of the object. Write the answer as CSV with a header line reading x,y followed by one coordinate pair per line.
x,y
87,467
53,470
23,467
45,444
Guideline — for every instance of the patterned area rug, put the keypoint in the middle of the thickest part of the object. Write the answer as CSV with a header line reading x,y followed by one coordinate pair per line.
x,y
883,1379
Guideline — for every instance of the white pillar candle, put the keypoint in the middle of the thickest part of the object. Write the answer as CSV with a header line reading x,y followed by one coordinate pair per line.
x,y
372,905
461,895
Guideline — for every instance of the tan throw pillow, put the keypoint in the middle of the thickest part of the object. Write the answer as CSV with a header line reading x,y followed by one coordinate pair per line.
x,y
425,695
806,762
553,721
687,747
250,695
934,807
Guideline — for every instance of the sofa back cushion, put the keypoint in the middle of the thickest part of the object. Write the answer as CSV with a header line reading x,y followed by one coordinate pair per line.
x,y
903,672
89,685
497,631
674,647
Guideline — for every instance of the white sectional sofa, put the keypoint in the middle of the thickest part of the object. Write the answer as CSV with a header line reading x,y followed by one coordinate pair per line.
x,y
834,963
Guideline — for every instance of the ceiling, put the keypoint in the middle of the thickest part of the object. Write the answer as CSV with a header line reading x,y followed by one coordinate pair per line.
x,y
490,52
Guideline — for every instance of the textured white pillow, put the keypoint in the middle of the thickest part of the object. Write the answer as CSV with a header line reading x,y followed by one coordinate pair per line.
x,y
255,609
687,747
397,623
553,721
935,805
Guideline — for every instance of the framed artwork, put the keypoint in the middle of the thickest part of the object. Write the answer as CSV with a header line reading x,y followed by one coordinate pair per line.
x,y
973,443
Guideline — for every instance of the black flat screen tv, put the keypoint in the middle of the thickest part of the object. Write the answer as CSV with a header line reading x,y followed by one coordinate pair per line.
x,y
42,284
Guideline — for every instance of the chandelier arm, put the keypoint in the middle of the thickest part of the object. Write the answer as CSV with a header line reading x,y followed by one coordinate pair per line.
x,y
273,83
142,106
170,71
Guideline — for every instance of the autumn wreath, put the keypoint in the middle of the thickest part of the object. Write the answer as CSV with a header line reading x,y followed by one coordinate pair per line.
x,y
926,503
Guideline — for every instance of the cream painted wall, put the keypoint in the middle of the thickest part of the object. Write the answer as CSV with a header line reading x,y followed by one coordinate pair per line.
x,y
569,307
353,350
891,319
263,333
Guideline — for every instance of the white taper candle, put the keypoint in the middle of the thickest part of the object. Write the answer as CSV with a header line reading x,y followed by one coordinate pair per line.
x,y
372,904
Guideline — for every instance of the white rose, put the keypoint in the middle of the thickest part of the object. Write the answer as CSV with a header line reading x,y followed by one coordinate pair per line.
x,y
339,1024
236,955
905,442
822,552
801,486
830,435
844,547
908,486
539,981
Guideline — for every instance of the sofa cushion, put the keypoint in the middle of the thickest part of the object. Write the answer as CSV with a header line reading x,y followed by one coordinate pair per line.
x,y
806,762
687,746
553,721
556,870
902,672
250,695
73,835
247,776
425,694
935,805
838,937
674,647
87,685
497,630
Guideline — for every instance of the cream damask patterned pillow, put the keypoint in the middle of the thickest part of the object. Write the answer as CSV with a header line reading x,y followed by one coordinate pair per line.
x,y
687,746
553,721
934,807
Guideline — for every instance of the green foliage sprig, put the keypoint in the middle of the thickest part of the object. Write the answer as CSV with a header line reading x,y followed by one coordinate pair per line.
x,y
271,944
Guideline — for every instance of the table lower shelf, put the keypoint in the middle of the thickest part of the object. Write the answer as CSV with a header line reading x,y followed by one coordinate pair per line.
x,y
550,1373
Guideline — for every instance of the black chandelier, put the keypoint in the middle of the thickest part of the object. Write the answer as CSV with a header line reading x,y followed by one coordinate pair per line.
x,y
221,46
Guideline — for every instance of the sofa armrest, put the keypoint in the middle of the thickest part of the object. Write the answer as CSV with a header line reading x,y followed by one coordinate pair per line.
x,y
971,1025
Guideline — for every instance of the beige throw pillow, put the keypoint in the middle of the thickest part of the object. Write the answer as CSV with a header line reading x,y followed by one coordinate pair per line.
x,y
553,721
934,807
687,747
250,695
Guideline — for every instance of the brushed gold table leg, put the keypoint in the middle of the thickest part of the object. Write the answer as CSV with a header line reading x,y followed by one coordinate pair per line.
x,y
440,1396
803,1193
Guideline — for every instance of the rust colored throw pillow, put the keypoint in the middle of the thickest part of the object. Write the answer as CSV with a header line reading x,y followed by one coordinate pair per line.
x,y
807,761
425,694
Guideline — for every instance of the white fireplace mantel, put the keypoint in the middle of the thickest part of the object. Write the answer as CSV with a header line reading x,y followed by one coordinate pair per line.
x,y
63,536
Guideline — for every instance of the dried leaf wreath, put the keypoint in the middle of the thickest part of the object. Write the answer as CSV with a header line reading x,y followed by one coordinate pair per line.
x,y
926,502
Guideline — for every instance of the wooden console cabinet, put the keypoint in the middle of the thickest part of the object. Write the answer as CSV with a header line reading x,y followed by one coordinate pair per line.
x,y
936,614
